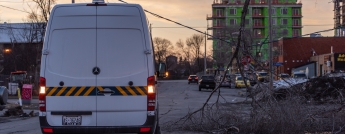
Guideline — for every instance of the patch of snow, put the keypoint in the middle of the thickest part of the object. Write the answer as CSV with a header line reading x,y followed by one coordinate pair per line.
x,y
288,82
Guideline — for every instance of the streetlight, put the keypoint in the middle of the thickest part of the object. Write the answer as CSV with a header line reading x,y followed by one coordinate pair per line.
x,y
7,50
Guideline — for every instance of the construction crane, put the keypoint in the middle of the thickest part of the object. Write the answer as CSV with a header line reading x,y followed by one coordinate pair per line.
x,y
338,20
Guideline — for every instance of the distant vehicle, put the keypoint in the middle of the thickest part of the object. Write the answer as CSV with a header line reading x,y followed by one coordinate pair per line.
x,y
17,78
226,82
207,81
283,76
300,74
252,78
192,79
240,82
262,76
3,97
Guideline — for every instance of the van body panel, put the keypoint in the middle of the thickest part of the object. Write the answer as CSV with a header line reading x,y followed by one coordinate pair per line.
x,y
71,56
128,61
127,16
63,66
121,56
78,16
114,38
66,63
64,103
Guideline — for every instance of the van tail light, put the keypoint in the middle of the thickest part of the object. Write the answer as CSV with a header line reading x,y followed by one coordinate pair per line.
x,y
151,95
47,130
42,95
196,77
145,130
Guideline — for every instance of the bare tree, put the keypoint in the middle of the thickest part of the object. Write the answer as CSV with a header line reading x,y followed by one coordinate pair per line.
x,y
162,48
41,10
195,42
27,38
185,50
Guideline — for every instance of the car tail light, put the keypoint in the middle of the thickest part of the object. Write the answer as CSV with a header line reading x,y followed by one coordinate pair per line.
x,y
151,95
42,94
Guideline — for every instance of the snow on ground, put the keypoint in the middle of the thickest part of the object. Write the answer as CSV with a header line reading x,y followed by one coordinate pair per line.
x,y
288,82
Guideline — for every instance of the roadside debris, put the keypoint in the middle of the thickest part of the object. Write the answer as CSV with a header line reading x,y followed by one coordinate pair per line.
x,y
323,89
14,110
320,89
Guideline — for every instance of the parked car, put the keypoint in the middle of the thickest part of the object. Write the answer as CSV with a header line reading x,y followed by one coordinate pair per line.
x,y
226,82
192,79
299,75
207,82
262,76
283,76
252,78
240,82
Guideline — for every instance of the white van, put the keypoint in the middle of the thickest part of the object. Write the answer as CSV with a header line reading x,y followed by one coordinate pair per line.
x,y
97,71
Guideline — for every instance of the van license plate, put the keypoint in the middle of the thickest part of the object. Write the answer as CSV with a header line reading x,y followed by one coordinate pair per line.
x,y
71,120
207,85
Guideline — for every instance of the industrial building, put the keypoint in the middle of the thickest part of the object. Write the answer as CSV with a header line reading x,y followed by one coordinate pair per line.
x,y
224,23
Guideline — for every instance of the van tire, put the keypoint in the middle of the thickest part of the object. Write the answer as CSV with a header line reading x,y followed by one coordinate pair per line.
x,y
2,101
158,130
199,88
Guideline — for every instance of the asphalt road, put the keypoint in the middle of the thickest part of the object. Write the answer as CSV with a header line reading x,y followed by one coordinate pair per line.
x,y
176,99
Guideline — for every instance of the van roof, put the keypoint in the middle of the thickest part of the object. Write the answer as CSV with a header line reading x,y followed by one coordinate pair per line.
x,y
90,4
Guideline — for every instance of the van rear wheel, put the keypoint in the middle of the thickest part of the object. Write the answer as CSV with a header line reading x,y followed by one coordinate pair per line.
x,y
158,130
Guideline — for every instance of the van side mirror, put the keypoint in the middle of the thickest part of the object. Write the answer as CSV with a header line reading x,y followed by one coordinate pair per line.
x,y
162,70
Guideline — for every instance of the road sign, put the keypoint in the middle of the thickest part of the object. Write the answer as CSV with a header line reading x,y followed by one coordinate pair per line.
x,y
246,59
278,64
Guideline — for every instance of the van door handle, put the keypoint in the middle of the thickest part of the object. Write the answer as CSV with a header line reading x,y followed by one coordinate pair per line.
x,y
106,92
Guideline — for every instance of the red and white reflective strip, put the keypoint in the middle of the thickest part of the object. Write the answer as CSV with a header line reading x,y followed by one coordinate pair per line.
x,y
42,95
151,96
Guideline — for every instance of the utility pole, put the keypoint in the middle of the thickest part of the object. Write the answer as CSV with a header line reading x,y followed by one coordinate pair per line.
x,y
205,54
270,44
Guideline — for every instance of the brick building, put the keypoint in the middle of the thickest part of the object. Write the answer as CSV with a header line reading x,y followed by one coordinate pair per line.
x,y
294,52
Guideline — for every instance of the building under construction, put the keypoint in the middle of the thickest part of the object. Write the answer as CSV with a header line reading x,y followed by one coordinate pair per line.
x,y
339,19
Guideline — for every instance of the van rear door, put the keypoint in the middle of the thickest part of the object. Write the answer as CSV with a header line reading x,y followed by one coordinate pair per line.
x,y
121,61
70,55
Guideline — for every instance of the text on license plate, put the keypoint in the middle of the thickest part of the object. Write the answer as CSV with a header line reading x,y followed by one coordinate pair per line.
x,y
71,120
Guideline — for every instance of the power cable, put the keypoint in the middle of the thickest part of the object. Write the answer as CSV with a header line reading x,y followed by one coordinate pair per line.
x,y
4,1
14,9
327,30
265,42
178,27
178,23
